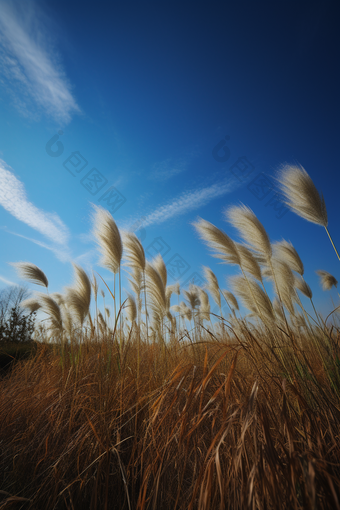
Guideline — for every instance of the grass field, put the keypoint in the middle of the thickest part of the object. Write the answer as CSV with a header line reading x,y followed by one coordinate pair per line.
x,y
173,407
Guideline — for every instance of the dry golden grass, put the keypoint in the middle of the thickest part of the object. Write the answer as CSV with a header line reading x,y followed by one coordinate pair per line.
x,y
211,425
150,415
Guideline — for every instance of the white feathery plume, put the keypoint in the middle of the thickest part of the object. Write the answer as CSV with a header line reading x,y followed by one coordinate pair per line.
x,y
30,272
284,250
204,309
301,195
231,299
218,241
131,308
303,198
303,287
31,304
253,297
78,297
108,239
133,251
159,265
248,262
250,228
326,279
213,286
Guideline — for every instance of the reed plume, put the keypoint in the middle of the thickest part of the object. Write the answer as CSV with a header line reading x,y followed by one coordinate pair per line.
x,y
204,309
248,262
94,285
131,309
230,299
282,276
302,197
253,297
171,289
135,256
52,309
326,279
186,311
30,272
156,294
285,251
192,296
31,304
250,229
108,239
303,287
158,264
133,251
213,286
218,241
78,297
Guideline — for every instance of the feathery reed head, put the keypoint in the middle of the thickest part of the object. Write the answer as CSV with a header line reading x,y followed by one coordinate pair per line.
x,y
158,264
303,287
253,297
94,285
30,272
248,262
156,293
79,296
51,307
250,228
218,241
284,250
131,308
108,239
192,296
204,309
212,286
327,280
230,299
31,304
133,251
301,195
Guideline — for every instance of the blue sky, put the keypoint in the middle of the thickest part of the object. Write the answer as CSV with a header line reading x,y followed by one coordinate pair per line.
x,y
163,113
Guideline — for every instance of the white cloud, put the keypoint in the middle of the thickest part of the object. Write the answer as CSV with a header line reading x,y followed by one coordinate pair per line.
x,y
8,282
62,254
13,198
164,170
30,64
189,201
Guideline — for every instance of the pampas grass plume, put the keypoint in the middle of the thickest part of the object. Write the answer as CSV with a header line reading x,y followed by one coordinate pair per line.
x,y
108,238
30,272
301,195
218,241
327,280
284,250
250,228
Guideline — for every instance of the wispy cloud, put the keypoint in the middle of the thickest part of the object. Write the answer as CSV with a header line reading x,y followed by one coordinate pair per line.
x,y
13,198
8,282
62,254
189,201
164,170
30,65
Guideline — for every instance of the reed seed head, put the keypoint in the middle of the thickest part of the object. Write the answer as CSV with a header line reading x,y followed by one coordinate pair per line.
x,y
301,195
327,280
31,272
250,228
108,239
218,241
284,250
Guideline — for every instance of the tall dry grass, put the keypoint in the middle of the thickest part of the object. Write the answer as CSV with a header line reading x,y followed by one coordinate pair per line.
x,y
176,407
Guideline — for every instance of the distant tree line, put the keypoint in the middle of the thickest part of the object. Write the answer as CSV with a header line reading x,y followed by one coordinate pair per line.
x,y
15,324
